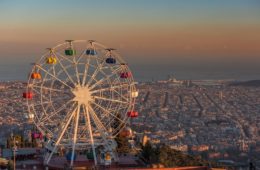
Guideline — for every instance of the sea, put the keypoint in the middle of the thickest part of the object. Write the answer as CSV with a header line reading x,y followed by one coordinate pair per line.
x,y
143,73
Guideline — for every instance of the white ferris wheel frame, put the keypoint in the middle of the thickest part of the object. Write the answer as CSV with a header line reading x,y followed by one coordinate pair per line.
x,y
80,88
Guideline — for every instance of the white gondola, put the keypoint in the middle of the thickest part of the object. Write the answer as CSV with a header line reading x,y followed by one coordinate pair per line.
x,y
134,94
29,116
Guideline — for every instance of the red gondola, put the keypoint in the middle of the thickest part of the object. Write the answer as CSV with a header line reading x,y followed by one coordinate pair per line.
x,y
27,95
132,114
125,75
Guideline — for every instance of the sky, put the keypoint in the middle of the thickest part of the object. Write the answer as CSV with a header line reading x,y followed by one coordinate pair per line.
x,y
180,37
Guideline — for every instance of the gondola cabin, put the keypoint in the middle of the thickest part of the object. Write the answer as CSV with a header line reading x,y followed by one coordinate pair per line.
x,y
36,76
90,155
29,116
125,75
134,94
27,95
132,114
51,60
91,51
70,156
36,135
70,52
126,132
110,60
108,157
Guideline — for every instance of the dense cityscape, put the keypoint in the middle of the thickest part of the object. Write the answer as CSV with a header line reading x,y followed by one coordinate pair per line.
x,y
213,119
210,118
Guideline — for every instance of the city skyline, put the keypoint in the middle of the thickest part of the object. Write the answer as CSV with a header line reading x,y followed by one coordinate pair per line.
x,y
184,37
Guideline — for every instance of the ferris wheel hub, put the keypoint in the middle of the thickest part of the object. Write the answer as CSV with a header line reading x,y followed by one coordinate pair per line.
x,y
82,94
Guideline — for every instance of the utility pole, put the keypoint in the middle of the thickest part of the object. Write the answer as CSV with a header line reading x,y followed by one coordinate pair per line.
x,y
14,148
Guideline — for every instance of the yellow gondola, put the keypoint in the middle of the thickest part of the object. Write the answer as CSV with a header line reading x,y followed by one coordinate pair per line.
x,y
51,60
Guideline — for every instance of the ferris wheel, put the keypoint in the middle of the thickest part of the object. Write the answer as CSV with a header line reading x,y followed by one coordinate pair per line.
x,y
80,95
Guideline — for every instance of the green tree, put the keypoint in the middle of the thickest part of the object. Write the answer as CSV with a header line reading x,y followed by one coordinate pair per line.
x,y
8,143
147,151
10,165
122,144
169,157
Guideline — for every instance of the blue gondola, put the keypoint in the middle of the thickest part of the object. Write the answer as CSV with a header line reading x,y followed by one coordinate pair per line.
x,y
70,157
91,52
111,60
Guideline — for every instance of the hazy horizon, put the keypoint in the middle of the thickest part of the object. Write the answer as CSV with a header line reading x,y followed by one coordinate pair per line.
x,y
202,40
143,72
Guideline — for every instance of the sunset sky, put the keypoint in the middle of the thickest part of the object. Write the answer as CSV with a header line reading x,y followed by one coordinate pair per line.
x,y
189,34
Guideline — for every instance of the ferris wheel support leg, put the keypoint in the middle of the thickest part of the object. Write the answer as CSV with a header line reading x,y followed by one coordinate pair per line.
x,y
48,156
75,135
110,145
91,136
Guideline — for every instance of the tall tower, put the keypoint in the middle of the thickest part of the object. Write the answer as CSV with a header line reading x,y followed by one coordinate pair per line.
x,y
221,95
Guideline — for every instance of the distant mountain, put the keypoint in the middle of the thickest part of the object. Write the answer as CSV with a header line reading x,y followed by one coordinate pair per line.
x,y
251,83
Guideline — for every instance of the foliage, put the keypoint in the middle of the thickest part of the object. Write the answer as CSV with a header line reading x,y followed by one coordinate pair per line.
x,y
149,153
18,141
122,144
169,157
10,165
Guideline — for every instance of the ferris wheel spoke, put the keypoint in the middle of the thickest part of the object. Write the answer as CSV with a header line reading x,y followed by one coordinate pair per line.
x,y
59,137
111,100
66,72
95,73
83,131
41,99
57,111
101,128
38,104
50,103
31,109
46,99
76,63
123,97
77,73
109,88
65,58
81,55
85,71
86,113
120,95
113,89
40,94
104,79
53,76
47,88
108,112
75,132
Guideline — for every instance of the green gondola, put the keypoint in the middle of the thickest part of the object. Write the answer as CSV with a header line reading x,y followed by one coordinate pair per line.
x,y
70,52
